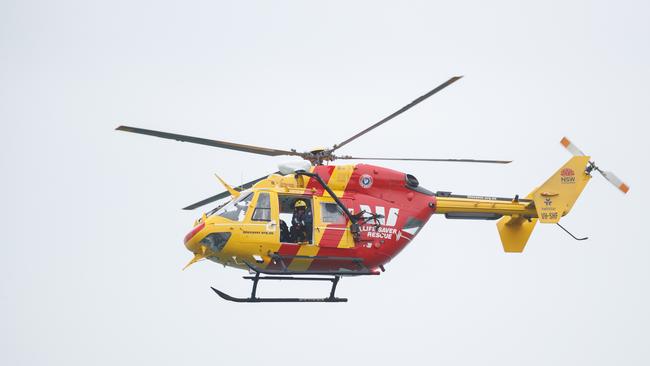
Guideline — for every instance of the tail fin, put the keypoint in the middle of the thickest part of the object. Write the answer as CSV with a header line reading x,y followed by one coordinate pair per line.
x,y
554,198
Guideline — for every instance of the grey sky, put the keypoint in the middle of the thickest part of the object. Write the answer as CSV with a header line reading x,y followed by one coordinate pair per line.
x,y
91,221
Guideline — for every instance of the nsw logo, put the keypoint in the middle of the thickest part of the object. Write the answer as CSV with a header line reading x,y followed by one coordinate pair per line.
x,y
567,176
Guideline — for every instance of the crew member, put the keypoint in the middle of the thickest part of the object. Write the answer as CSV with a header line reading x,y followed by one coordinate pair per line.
x,y
301,223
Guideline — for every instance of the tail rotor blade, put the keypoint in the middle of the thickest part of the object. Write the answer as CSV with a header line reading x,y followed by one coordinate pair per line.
x,y
571,147
611,177
616,181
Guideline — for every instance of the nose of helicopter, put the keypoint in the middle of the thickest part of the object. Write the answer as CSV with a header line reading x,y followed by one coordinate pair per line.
x,y
191,240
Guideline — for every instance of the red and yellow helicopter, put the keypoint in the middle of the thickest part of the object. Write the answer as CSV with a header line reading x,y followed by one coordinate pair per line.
x,y
312,221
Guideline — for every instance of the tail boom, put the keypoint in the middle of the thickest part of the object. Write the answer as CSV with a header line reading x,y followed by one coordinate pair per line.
x,y
547,204
454,206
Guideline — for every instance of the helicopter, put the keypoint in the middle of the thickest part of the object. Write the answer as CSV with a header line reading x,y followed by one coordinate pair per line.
x,y
351,220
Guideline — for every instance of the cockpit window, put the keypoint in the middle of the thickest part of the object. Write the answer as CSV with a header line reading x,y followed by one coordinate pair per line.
x,y
236,209
263,208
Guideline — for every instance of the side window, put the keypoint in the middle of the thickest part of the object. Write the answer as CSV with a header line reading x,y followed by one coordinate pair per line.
x,y
331,213
263,208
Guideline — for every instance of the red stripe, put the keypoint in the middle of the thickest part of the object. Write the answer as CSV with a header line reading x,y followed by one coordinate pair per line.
x,y
325,172
331,237
285,250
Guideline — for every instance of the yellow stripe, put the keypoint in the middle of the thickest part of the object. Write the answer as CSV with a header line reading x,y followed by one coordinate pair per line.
x,y
340,178
339,181
346,240
303,264
318,233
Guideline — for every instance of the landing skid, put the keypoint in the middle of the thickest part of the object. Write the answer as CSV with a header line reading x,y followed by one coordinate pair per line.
x,y
288,275
257,278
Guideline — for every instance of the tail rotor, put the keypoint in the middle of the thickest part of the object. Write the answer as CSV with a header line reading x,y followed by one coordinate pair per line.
x,y
611,177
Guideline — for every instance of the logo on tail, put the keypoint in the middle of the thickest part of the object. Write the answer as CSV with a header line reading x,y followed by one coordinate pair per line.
x,y
567,176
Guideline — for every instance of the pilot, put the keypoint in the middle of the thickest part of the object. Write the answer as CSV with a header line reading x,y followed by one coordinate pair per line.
x,y
301,223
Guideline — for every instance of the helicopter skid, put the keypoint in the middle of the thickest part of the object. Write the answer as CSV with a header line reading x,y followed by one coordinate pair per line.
x,y
257,278
225,296
285,274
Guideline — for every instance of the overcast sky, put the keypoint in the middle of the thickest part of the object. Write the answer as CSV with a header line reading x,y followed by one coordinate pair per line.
x,y
90,271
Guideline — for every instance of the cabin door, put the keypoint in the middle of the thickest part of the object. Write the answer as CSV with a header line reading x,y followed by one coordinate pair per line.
x,y
331,225
261,224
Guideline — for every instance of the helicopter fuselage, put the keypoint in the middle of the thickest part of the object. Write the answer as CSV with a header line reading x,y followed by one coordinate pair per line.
x,y
253,227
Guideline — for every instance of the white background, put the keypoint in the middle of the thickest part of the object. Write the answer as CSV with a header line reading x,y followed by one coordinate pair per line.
x,y
90,270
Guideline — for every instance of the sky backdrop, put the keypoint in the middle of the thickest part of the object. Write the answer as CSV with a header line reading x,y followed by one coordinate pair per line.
x,y
90,270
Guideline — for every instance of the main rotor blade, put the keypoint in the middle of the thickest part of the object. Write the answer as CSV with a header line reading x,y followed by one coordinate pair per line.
x,y
204,202
214,143
441,160
225,194
402,110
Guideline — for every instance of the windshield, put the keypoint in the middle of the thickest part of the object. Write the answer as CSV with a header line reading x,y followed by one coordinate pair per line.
x,y
236,209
